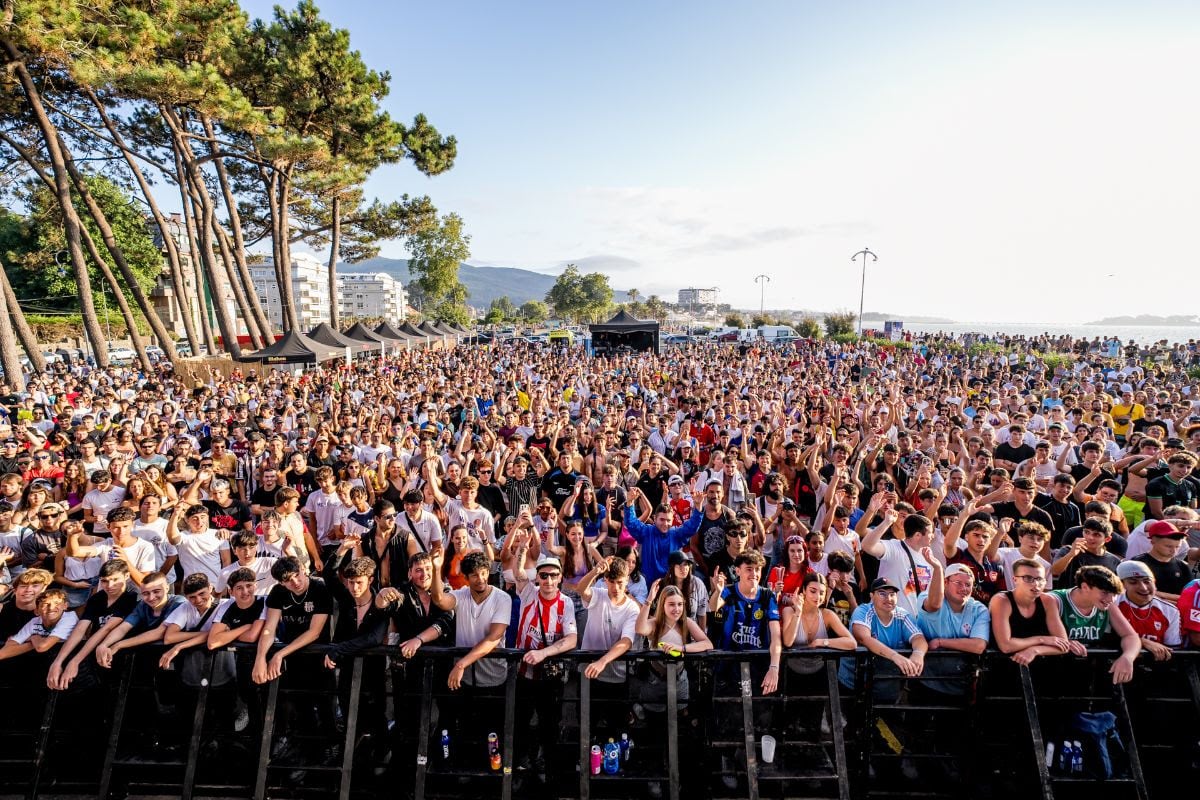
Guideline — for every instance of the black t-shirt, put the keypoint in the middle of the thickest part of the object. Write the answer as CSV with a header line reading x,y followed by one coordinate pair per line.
x,y
235,617
491,497
264,498
99,612
1064,515
1010,511
1171,493
558,486
303,482
1006,452
653,486
12,619
538,443
1169,576
722,561
1117,544
711,534
1079,472
232,517
619,499
297,611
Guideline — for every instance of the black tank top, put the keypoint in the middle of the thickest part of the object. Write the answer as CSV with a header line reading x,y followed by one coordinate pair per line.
x,y
1020,627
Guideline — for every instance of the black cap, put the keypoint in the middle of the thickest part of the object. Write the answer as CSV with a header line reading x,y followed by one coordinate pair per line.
x,y
680,557
883,583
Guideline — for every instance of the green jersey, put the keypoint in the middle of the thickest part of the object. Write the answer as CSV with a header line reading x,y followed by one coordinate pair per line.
x,y
1087,628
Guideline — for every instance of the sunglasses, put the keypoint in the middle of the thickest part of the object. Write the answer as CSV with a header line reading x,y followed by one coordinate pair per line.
x,y
547,575
738,534
51,515
387,516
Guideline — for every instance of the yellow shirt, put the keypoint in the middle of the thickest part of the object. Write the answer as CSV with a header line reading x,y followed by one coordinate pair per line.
x,y
1134,411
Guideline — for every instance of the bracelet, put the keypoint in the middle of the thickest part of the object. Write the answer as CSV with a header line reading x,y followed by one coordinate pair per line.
x,y
773,666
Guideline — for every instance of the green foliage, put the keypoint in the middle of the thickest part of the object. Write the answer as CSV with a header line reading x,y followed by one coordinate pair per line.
x,y
578,297
758,320
437,253
840,322
735,321
808,327
535,312
984,349
656,309
1193,373
844,338
36,246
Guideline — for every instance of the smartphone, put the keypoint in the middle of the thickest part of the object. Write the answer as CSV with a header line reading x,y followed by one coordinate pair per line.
x,y
889,487
523,508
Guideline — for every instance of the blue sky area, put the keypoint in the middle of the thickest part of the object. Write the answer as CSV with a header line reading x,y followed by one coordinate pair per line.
x,y
977,148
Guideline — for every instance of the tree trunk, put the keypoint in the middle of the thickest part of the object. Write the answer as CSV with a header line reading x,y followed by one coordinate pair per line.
x,y
21,325
118,256
287,299
122,302
189,220
62,190
335,242
207,219
239,242
239,295
10,359
178,283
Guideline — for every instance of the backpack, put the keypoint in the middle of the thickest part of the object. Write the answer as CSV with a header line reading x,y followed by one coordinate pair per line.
x,y
1104,754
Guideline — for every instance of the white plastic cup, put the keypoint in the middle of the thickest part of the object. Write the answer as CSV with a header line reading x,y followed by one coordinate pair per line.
x,y
768,749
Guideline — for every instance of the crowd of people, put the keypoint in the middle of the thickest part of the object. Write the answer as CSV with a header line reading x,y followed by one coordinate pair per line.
x,y
729,497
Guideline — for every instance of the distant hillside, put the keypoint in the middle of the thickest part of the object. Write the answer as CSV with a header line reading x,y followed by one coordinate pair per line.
x,y
1150,319
484,284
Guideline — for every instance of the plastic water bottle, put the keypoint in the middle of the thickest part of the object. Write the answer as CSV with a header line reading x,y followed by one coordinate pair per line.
x,y
494,752
1077,758
1064,758
1050,762
612,757
445,745
624,745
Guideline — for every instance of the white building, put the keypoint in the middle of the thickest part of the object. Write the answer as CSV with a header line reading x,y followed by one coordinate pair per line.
x,y
310,290
196,300
371,294
699,297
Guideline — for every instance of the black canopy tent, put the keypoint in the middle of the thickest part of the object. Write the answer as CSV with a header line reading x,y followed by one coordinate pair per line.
x,y
328,335
363,334
625,331
429,329
386,330
295,348
413,331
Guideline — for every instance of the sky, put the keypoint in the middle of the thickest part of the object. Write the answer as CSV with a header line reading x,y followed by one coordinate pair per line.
x,y
1023,161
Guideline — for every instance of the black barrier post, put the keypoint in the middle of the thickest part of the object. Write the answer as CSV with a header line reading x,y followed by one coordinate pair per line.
x,y
115,734
193,754
1193,675
585,735
1135,760
673,730
268,730
835,728
510,724
351,729
423,728
1035,732
748,732
39,754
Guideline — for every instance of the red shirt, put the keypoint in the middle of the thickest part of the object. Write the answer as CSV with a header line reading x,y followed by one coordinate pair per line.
x,y
1158,622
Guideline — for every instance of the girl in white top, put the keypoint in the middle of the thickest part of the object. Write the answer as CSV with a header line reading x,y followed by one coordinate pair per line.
x,y
808,622
673,632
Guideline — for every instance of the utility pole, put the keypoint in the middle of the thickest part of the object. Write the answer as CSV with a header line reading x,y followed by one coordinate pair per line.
x,y
762,294
865,252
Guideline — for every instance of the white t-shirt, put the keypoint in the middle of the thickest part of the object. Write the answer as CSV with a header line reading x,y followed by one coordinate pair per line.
x,y
1138,543
35,628
1007,555
141,554
896,567
156,534
262,575
325,508
187,618
101,503
481,525
608,624
472,621
201,552
428,529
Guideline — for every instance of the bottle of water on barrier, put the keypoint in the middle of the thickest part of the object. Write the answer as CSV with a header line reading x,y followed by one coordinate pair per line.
x,y
597,759
625,744
1051,764
1064,758
445,745
1077,758
612,757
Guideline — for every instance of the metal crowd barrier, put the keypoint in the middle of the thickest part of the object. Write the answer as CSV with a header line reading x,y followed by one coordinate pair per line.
x,y
854,745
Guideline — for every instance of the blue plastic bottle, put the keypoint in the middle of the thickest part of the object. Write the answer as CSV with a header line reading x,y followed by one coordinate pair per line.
x,y
612,757
446,745
1077,757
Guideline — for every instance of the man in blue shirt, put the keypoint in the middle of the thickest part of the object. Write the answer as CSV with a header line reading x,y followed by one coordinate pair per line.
x,y
659,540
884,629
145,624
951,619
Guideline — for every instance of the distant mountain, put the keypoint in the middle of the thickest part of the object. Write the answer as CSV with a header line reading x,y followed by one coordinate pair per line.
x,y
1187,320
484,284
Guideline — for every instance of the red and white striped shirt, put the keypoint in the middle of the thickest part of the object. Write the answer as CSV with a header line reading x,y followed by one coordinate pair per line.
x,y
555,616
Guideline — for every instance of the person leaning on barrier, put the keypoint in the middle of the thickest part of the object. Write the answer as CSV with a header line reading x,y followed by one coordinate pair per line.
x,y
104,611
1025,619
298,609
1153,619
885,628
480,622
44,632
145,624
1088,621
188,625
22,606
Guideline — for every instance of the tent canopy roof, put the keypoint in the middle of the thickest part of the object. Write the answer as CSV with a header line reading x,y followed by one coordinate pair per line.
x,y
624,322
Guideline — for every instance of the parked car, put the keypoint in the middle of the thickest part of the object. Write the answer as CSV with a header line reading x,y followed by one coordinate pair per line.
x,y
121,355
677,338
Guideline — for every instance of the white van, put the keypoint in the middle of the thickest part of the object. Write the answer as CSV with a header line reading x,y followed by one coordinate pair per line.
x,y
777,333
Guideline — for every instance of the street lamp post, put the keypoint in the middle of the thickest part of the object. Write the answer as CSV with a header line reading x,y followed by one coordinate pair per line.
x,y
862,292
763,280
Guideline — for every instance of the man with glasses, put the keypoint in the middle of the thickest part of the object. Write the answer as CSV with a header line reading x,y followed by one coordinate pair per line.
x,y
546,628
1155,621
1025,619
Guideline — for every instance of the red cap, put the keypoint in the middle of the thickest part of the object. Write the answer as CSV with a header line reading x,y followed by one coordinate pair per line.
x,y
1163,528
